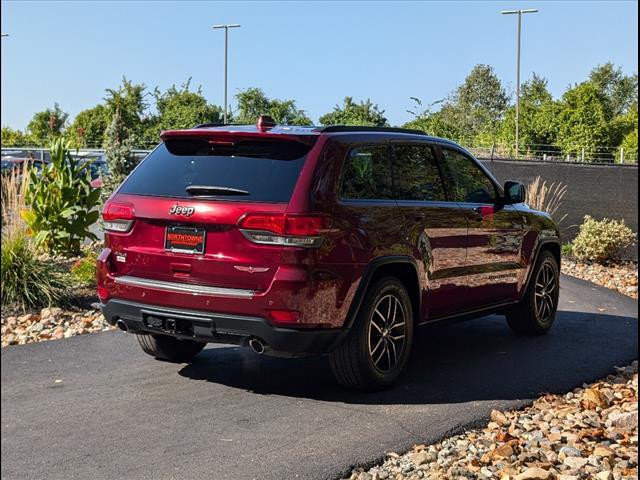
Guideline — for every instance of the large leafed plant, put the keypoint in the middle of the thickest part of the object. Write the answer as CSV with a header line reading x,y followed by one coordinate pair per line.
x,y
61,203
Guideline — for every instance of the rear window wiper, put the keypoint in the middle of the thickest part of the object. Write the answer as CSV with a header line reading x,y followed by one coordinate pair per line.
x,y
214,190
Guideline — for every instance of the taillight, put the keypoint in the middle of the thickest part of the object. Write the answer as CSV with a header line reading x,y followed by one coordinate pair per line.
x,y
283,229
118,216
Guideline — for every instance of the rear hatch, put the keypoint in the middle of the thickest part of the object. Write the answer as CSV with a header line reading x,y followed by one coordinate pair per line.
x,y
180,208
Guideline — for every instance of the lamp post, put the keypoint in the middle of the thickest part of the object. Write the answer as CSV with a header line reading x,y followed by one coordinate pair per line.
x,y
519,13
226,43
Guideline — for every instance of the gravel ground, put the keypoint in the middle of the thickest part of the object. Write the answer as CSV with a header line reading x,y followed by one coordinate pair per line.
x,y
589,433
622,277
50,324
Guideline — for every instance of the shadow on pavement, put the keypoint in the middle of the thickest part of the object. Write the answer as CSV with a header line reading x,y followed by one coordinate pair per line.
x,y
471,361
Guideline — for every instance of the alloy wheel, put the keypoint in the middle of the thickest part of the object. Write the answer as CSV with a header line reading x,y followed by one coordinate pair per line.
x,y
387,332
545,293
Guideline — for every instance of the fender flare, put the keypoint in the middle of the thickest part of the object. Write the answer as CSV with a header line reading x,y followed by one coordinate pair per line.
x,y
369,272
541,243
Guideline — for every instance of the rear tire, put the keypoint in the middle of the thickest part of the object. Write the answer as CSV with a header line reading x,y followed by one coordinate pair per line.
x,y
535,313
377,349
164,347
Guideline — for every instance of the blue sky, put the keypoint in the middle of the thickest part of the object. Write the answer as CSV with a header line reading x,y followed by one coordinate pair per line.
x,y
314,52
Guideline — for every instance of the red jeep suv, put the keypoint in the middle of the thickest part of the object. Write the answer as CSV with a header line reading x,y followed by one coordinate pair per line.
x,y
319,240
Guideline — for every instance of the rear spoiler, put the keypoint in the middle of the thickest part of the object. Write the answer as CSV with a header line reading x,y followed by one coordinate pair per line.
x,y
233,136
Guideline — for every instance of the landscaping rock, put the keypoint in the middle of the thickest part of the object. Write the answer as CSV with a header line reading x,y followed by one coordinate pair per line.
x,y
621,277
589,433
51,323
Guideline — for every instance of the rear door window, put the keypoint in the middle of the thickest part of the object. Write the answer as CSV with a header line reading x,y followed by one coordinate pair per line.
x,y
416,174
367,174
267,170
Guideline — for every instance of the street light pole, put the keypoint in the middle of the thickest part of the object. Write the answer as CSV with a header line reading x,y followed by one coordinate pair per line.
x,y
519,13
226,43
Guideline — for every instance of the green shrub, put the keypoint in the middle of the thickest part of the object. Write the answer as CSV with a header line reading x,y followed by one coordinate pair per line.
x,y
62,204
602,240
84,269
567,249
27,281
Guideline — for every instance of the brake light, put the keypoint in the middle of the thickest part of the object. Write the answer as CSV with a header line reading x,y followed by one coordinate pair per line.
x,y
283,229
118,216
265,122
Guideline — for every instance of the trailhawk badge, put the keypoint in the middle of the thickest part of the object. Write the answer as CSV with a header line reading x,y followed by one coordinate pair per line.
x,y
180,210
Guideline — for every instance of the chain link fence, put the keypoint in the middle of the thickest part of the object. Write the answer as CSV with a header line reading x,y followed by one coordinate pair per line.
x,y
551,153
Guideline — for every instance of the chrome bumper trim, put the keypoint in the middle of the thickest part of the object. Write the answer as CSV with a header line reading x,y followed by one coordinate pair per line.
x,y
183,287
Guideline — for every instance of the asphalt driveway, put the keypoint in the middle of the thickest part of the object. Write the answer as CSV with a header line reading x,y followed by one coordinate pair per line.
x,y
96,407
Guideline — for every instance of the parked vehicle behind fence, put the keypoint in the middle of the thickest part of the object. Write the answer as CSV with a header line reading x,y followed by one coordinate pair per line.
x,y
308,240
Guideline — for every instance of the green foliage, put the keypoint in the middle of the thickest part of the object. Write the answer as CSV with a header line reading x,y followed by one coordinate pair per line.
x,y
582,120
88,128
62,204
602,240
129,101
183,108
14,138
472,113
480,102
252,102
47,125
630,145
538,116
365,113
567,249
27,281
83,270
120,162
440,124
620,92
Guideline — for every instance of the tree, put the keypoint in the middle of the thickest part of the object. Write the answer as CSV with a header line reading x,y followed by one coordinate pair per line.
x,y
89,126
439,123
365,113
119,142
478,104
538,123
471,114
14,138
129,100
619,91
252,103
47,125
582,119
182,108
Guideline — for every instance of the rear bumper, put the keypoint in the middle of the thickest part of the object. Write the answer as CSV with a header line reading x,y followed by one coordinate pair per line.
x,y
221,328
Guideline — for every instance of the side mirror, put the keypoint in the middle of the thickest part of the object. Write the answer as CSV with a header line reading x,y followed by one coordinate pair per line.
x,y
513,192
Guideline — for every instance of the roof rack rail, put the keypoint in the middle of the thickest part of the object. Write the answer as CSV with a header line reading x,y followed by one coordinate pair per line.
x,y
213,124
344,128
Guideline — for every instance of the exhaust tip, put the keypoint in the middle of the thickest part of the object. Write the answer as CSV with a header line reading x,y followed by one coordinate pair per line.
x,y
122,325
257,346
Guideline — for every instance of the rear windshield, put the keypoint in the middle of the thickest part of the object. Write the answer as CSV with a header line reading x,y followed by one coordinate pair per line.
x,y
262,170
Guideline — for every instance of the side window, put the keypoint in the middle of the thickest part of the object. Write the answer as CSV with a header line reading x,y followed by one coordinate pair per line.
x,y
367,174
467,182
416,174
